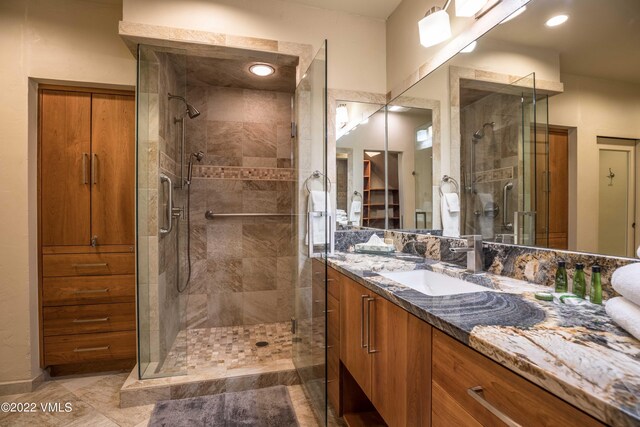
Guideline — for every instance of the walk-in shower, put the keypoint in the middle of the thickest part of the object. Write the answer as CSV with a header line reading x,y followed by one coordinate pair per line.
x,y
221,298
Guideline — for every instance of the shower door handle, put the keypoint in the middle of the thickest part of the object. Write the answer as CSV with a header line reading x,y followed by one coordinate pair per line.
x,y
164,179
505,206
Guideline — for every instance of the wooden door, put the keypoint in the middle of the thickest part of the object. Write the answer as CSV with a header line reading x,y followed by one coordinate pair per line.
x,y
352,333
65,145
112,169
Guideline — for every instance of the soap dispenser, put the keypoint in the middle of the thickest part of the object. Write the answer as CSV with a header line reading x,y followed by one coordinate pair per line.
x,y
595,293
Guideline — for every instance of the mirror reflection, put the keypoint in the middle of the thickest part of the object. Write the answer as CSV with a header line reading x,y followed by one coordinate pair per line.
x,y
532,136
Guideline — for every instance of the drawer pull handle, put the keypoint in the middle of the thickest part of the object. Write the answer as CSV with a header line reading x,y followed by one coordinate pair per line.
x,y
82,350
91,291
370,348
477,394
100,319
96,264
362,298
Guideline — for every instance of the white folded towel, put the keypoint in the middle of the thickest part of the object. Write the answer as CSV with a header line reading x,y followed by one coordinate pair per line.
x,y
354,211
453,202
316,203
626,281
486,222
625,313
450,220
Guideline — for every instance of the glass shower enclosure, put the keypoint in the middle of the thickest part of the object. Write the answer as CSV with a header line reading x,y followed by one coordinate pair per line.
x,y
222,257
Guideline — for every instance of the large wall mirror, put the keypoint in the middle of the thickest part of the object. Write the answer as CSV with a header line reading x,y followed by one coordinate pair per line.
x,y
530,136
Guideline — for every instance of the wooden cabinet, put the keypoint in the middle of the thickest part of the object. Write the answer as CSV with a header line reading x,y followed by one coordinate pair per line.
x,y
387,352
86,225
471,389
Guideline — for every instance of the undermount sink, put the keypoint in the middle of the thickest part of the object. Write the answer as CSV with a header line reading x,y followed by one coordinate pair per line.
x,y
433,284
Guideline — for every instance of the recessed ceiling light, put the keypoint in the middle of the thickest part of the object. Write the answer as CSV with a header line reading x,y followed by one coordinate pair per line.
x,y
470,47
262,70
515,14
556,20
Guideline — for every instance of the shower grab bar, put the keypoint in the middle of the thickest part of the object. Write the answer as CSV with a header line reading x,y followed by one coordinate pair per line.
x,y
212,215
169,209
505,206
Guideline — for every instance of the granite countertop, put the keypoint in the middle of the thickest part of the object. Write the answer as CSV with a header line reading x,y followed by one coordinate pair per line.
x,y
575,352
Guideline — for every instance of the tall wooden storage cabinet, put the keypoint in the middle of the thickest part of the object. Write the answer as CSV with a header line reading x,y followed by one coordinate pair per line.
x,y
86,229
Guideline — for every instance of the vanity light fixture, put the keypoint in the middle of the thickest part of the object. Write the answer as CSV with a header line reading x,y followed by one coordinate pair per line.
x,y
435,27
468,8
556,20
365,121
514,15
371,153
262,70
342,115
398,109
470,47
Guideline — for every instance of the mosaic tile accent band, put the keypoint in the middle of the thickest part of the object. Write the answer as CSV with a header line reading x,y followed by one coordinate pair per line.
x,y
244,173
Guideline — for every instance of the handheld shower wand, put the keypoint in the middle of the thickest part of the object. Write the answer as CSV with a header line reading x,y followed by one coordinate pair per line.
x,y
199,155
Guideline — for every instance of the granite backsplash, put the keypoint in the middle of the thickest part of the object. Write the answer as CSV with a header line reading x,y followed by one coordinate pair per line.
x,y
536,265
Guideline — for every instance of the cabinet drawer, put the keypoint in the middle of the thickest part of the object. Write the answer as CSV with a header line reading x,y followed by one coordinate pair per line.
x,y
65,349
88,264
82,319
88,290
457,369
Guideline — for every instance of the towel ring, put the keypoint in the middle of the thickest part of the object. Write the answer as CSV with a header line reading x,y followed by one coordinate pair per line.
x,y
316,175
446,179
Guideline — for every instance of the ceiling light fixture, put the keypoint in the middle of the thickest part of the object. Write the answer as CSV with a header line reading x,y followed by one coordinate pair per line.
x,y
468,8
515,14
262,70
435,27
398,109
342,115
470,47
556,20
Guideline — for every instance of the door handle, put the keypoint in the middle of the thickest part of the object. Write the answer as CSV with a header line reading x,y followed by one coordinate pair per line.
x,y
477,394
85,181
94,167
362,298
505,206
370,349
164,179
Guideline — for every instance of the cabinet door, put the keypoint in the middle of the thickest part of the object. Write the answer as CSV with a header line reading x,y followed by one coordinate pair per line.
x,y
65,145
389,369
353,354
112,169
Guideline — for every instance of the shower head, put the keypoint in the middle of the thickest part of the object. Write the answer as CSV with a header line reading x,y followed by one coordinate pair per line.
x,y
191,111
479,134
198,155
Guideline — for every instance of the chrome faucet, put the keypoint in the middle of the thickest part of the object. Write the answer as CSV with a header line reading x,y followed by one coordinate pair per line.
x,y
475,259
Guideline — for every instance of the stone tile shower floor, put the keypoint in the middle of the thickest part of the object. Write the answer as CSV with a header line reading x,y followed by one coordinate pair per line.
x,y
228,347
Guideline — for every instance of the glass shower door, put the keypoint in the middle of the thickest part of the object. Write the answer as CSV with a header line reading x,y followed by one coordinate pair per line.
x,y
161,316
505,164
309,324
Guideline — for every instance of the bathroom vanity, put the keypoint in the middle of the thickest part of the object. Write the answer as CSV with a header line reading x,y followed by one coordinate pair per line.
x,y
407,358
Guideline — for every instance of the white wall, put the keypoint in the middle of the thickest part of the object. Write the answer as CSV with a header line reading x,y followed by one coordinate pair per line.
x,y
356,44
67,40
596,107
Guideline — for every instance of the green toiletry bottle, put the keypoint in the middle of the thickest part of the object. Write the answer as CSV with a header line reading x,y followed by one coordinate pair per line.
x,y
561,277
596,285
579,282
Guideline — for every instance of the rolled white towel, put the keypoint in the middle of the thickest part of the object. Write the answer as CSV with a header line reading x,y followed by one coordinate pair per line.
x,y
626,314
626,281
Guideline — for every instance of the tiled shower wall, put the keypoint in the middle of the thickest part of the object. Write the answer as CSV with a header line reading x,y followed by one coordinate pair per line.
x,y
496,162
244,268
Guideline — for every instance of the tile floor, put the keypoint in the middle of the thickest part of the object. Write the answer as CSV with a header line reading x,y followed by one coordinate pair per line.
x,y
95,403
228,347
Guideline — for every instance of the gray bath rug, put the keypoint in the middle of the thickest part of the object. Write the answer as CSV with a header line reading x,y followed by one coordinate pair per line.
x,y
265,407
